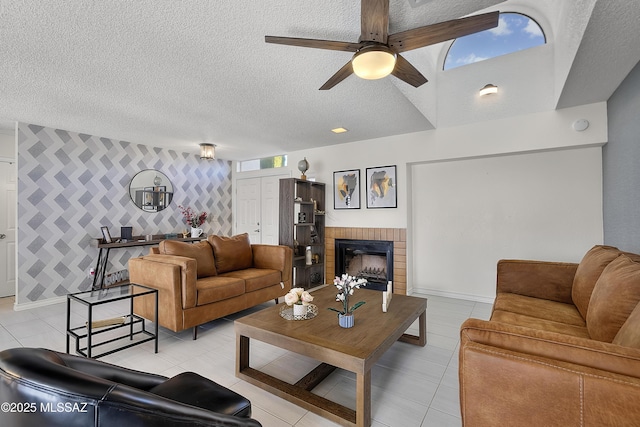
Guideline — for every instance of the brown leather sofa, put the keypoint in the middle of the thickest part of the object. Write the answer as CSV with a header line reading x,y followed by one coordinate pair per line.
x,y
562,347
210,279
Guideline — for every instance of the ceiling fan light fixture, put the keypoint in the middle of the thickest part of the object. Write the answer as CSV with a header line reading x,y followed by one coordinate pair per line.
x,y
207,151
488,89
373,62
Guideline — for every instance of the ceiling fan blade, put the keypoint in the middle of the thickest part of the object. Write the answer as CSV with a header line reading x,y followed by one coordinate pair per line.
x,y
342,74
374,20
314,43
436,33
408,73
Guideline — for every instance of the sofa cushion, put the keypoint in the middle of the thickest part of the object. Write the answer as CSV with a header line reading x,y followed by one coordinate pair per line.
x,y
231,253
629,333
587,275
217,288
539,308
256,278
516,319
201,251
198,391
614,297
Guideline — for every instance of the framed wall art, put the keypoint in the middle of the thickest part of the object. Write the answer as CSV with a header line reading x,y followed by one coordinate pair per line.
x,y
106,236
381,187
346,189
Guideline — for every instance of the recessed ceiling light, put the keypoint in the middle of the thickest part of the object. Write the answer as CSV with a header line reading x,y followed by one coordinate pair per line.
x,y
488,89
339,130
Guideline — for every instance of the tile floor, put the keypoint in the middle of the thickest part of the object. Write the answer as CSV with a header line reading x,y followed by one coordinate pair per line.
x,y
411,386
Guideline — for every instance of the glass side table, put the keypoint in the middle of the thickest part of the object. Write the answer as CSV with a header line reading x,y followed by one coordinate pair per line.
x,y
106,332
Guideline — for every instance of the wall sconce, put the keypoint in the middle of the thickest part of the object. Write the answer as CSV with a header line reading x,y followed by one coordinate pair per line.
x,y
488,89
207,151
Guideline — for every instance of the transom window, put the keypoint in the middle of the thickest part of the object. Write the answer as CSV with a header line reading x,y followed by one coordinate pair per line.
x,y
264,163
514,32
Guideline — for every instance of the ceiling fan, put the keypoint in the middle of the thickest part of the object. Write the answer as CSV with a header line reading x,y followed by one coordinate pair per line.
x,y
377,53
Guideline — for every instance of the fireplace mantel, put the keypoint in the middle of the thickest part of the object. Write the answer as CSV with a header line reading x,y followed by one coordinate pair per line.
x,y
397,235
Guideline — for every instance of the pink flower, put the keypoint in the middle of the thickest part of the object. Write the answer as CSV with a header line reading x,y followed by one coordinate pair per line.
x,y
306,298
291,298
298,296
191,217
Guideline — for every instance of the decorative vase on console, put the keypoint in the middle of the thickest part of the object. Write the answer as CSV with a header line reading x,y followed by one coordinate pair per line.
x,y
346,286
193,219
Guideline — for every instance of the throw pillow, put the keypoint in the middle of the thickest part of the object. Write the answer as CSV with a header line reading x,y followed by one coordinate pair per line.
x,y
629,333
231,253
614,297
587,274
200,251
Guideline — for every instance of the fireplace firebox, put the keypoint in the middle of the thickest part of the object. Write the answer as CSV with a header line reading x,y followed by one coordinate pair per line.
x,y
371,259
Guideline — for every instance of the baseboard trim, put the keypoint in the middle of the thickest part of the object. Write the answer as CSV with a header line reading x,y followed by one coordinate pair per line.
x,y
454,295
37,304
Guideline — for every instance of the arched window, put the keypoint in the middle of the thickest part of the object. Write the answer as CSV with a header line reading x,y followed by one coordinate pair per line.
x,y
514,32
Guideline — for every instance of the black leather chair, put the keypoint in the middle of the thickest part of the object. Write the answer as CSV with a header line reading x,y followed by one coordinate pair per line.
x,y
45,388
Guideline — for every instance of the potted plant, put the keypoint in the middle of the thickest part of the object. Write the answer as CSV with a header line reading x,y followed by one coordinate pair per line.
x,y
346,286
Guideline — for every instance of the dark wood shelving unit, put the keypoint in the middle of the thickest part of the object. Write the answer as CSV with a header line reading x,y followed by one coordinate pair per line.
x,y
152,200
302,226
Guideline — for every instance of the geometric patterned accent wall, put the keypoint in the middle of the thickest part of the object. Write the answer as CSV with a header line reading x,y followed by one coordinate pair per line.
x,y
70,184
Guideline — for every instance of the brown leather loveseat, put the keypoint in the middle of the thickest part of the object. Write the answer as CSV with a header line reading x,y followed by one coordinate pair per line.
x,y
210,279
562,347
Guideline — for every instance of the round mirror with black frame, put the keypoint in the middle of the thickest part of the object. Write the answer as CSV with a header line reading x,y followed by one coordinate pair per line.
x,y
151,190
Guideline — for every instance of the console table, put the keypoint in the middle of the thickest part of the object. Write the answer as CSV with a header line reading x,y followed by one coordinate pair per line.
x,y
105,249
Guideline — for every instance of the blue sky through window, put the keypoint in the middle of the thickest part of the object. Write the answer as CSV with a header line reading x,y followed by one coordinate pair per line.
x,y
514,32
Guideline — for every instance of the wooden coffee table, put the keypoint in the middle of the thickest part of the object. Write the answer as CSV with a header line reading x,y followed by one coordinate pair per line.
x,y
356,349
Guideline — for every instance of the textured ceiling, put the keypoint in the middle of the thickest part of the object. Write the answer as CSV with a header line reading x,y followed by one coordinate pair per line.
x,y
176,73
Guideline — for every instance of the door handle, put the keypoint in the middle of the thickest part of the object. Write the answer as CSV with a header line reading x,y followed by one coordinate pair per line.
x,y
256,231
3,236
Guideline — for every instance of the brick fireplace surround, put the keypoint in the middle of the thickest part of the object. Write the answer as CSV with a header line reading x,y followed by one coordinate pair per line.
x,y
397,235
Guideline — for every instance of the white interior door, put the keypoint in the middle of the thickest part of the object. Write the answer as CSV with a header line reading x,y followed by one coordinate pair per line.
x,y
258,208
248,211
7,228
270,198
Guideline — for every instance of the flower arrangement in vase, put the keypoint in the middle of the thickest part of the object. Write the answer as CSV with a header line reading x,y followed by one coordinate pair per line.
x,y
346,286
299,299
195,220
